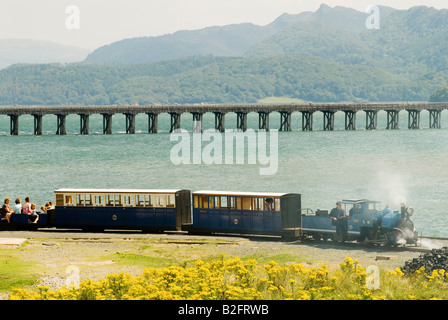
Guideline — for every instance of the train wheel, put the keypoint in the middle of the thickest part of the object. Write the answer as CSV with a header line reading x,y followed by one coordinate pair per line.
x,y
316,236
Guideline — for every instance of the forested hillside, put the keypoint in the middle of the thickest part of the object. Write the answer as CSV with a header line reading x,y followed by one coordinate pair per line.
x,y
207,79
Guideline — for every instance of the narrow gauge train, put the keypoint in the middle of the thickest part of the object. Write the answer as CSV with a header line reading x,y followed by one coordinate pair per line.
x,y
208,212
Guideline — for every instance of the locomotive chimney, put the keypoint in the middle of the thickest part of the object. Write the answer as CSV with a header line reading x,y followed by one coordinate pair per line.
x,y
403,211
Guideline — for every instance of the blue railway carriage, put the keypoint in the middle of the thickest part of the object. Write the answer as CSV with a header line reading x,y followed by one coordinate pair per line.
x,y
246,213
151,210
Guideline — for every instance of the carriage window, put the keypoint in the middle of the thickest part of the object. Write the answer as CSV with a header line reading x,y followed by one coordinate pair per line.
x,y
255,204
149,200
261,204
224,203
59,199
203,202
99,200
170,200
196,202
128,200
79,199
246,203
88,200
69,200
277,204
160,201
140,200
110,200
210,202
238,203
118,200
232,202
217,202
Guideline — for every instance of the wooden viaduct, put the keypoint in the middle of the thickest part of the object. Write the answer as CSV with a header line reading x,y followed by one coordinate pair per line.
x,y
328,110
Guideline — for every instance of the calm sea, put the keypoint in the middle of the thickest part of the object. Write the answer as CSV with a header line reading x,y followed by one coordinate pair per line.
x,y
383,165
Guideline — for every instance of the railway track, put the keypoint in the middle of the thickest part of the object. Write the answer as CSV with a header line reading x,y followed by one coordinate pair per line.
x,y
425,244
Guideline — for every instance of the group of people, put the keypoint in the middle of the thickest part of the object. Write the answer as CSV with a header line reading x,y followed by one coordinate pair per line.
x,y
27,208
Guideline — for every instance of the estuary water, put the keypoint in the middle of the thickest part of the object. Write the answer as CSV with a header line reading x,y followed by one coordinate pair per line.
x,y
323,166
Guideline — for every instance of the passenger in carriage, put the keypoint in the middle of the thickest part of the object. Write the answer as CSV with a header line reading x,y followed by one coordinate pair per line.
x,y
269,204
26,208
33,216
18,206
45,207
6,210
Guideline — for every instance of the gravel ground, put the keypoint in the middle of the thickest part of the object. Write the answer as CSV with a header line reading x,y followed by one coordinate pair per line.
x,y
59,255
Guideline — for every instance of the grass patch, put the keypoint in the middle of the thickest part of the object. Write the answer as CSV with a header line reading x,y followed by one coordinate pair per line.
x,y
15,273
133,259
280,258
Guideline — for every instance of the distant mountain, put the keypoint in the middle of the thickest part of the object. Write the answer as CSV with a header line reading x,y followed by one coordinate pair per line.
x,y
230,40
14,51
413,41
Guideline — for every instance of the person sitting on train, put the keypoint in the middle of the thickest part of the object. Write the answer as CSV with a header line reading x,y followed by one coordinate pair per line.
x,y
339,220
33,216
18,206
6,210
51,205
269,204
26,208
337,212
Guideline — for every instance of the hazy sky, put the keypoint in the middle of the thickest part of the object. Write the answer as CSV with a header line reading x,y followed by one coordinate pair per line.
x,y
93,23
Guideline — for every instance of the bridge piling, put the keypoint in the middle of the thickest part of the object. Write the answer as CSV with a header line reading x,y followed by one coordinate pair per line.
x,y
435,118
350,120
14,124
285,121
392,119
413,119
371,119
61,128
197,121
152,122
307,120
328,120
37,124
220,121
241,121
175,121
263,120
107,123
84,124
130,123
